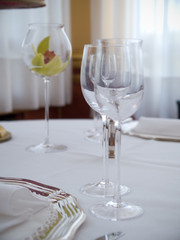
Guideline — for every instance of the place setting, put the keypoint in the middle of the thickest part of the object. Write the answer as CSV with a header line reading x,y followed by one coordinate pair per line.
x,y
109,83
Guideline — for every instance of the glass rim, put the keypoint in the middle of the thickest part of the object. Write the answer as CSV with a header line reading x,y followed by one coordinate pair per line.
x,y
128,40
47,24
96,45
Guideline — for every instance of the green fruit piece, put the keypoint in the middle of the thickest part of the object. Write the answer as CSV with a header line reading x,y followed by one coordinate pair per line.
x,y
43,45
38,60
54,67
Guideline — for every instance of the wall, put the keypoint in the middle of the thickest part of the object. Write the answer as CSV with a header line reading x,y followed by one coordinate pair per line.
x,y
80,24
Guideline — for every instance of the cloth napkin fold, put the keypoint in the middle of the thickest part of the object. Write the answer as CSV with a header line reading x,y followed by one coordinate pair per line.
x,y
17,205
25,215
157,128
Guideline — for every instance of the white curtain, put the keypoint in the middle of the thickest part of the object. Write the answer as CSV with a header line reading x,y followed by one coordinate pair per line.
x,y
158,24
19,88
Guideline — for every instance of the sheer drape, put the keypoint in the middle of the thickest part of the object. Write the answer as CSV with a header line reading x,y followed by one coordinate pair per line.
x,y
19,88
158,24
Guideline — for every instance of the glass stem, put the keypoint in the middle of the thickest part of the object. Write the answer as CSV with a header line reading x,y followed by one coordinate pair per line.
x,y
117,190
46,100
95,119
105,149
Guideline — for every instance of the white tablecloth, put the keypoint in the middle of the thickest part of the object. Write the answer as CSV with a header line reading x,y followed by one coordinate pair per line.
x,y
150,168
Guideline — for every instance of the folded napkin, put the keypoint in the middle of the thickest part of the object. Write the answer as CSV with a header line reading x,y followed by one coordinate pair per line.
x,y
22,213
157,128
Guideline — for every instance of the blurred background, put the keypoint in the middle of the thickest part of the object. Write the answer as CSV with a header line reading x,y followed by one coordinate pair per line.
x,y
157,23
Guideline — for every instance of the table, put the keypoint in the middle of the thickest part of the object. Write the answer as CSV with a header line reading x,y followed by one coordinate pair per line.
x,y
150,168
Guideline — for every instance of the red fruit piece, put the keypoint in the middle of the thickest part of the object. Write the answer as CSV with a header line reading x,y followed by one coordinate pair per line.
x,y
48,56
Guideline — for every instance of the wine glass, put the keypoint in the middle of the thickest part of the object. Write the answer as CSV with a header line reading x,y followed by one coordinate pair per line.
x,y
118,91
46,52
104,187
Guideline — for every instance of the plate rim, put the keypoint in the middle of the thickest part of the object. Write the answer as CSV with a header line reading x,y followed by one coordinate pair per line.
x,y
74,225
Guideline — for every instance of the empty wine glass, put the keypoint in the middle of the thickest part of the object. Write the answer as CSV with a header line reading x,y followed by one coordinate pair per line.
x,y
46,52
118,91
103,187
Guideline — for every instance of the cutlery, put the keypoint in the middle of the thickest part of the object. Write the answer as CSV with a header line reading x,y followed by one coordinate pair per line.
x,y
111,236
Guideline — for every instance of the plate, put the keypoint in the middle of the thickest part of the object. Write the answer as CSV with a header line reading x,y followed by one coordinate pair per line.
x,y
72,216
6,137
154,137
129,130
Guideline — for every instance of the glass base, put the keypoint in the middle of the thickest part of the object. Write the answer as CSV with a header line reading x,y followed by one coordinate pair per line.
x,y
93,135
46,148
102,189
116,212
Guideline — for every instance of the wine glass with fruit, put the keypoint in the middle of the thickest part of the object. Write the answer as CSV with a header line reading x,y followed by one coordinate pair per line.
x,y
46,52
